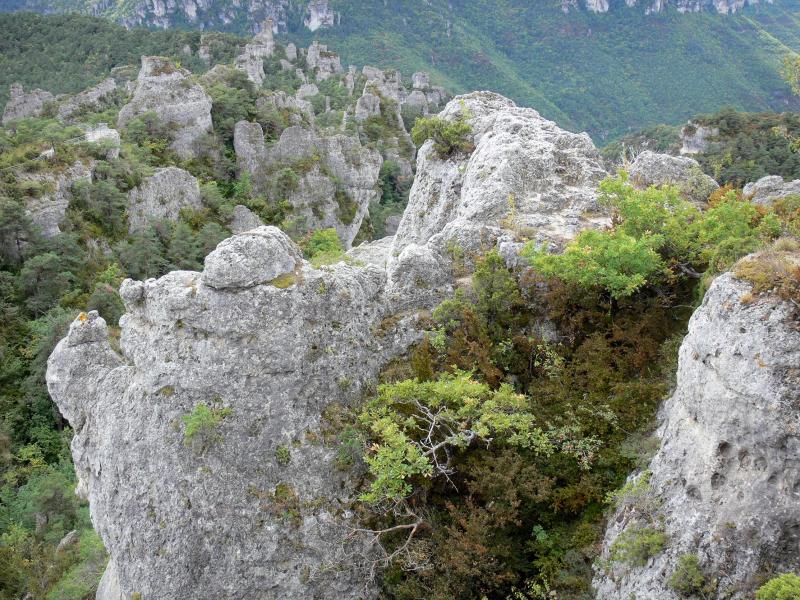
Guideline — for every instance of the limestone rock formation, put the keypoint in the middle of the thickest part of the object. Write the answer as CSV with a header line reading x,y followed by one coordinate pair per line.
x,y
162,196
48,210
106,137
726,478
250,506
697,138
94,99
321,62
21,105
244,219
336,175
254,349
770,188
657,6
251,60
526,176
319,14
166,90
651,168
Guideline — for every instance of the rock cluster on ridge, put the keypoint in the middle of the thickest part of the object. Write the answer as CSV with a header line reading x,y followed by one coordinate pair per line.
x,y
21,105
162,196
770,188
257,506
685,173
164,89
725,482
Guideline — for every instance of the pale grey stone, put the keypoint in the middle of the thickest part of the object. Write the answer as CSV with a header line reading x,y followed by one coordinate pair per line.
x,y
651,168
162,196
94,99
252,258
770,188
727,474
166,90
244,219
21,105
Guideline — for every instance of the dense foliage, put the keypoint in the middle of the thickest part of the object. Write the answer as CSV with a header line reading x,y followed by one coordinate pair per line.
x,y
605,73
467,509
659,237
69,53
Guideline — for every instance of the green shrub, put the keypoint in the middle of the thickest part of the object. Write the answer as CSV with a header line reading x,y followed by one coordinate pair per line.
x,y
323,247
782,587
283,455
637,544
449,137
688,578
201,425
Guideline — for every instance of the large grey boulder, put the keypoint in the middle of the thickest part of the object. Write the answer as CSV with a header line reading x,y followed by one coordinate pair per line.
x,y
525,177
244,219
651,168
336,182
168,91
48,210
94,99
162,196
21,105
253,506
251,60
770,188
725,483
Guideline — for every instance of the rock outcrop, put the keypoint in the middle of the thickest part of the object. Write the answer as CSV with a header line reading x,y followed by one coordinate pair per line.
x,y
251,505
697,138
244,219
162,196
21,105
770,188
685,173
336,177
725,482
94,99
253,350
166,90
525,177
48,209
251,60
657,6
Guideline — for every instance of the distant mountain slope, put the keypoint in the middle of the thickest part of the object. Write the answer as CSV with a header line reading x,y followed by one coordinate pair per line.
x,y
605,72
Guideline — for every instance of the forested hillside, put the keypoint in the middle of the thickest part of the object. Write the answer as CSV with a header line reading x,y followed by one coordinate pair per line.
x,y
608,73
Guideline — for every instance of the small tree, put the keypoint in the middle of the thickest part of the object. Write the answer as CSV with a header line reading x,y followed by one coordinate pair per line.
x,y
449,137
783,587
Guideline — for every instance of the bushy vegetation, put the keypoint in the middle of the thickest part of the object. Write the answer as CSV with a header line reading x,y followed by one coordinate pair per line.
x,y
449,137
68,53
659,238
783,587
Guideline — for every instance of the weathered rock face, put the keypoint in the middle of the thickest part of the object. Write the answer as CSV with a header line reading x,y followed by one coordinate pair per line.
x,y
727,473
251,60
21,105
108,138
697,138
252,507
770,188
162,196
321,62
335,184
94,99
685,173
244,219
526,176
48,210
657,6
166,90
